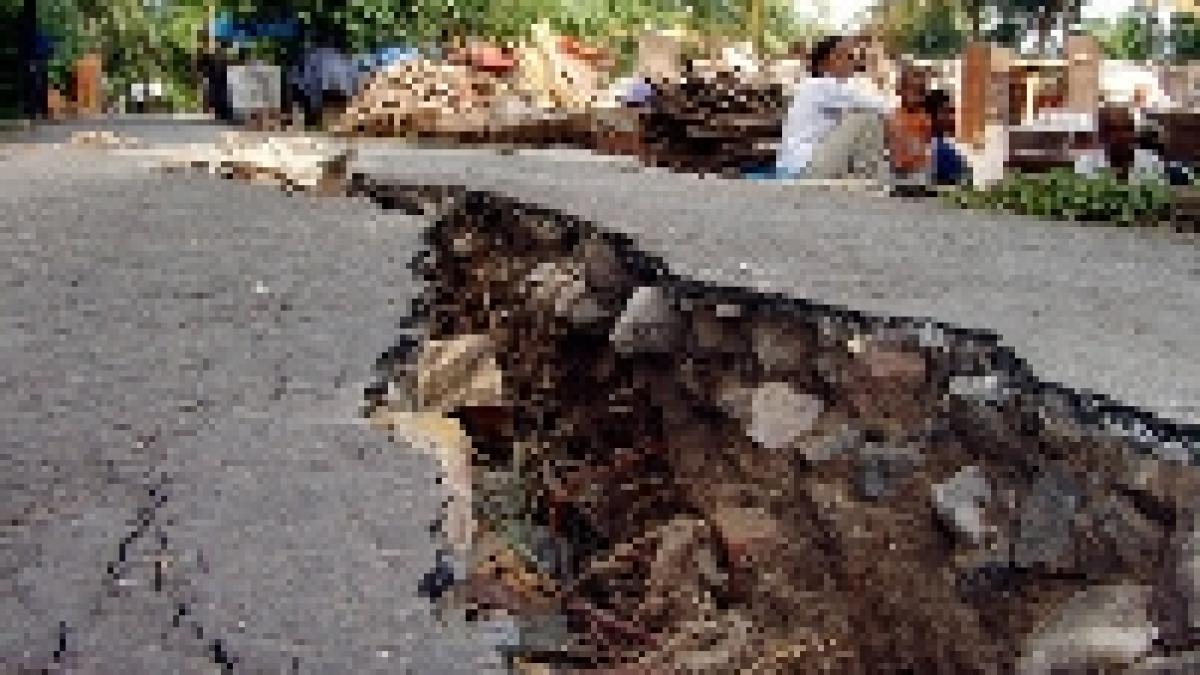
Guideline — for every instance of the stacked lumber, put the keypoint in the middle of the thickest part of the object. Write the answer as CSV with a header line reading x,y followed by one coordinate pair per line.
x,y
665,476
716,122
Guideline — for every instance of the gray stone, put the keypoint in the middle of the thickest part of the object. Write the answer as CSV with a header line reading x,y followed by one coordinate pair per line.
x,y
882,467
978,388
1045,527
648,324
830,443
960,502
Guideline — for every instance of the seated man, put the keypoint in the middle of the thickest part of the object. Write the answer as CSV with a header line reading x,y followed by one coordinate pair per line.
x,y
1118,149
948,165
834,127
909,127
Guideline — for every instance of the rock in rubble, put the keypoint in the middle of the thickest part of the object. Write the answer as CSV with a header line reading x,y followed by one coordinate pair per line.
x,y
458,372
648,325
960,502
882,467
773,414
1100,626
1044,531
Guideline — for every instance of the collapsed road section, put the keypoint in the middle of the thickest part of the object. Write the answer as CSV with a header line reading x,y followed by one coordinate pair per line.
x,y
654,474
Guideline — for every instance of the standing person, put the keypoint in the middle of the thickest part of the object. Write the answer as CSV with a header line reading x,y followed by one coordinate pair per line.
x,y
834,127
214,65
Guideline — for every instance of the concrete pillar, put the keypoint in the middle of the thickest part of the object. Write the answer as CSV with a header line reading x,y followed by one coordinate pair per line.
x,y
1083,74
973,92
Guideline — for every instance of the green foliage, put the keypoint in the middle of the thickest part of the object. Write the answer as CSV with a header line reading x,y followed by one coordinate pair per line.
x,y
1130,37
1062,194
1185,37
138,41
935,29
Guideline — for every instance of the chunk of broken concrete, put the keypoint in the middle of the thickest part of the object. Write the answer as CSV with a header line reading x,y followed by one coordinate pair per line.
x,y
1099,626
881,468
648,324
459,372
782,347
960,500
779,414
829,440
1047,515
556,286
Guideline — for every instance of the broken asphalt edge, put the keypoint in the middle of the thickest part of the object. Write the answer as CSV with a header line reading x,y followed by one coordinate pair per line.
x,y
1151,435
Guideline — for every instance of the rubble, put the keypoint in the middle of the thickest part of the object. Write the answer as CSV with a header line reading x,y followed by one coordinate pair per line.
x,y
960,501
102,139
718,122
291,162
1099,626
541,95
711,479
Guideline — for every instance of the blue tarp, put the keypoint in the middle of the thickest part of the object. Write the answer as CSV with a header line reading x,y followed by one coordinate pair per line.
x,y
227,28
386,57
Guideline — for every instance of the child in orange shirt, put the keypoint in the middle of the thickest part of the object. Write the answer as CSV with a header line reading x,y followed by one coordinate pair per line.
x,y
910,129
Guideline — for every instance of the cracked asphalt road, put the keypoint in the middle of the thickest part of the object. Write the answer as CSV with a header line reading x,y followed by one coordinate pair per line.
x,y
186,485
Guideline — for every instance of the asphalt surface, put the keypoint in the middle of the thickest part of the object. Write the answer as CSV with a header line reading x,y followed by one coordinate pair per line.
x,y
186,484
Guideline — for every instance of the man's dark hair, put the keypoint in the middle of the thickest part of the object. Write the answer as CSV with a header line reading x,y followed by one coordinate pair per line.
x,y
821,53
935,101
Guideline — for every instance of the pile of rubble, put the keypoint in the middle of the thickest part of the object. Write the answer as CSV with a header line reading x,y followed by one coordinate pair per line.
x,y
654,474
294,163
421,97
543,99
714,122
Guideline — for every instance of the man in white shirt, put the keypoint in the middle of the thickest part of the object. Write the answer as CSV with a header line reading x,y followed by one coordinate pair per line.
x,y
835,125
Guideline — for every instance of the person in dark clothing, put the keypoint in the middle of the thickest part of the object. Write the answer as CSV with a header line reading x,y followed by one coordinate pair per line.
x,y
37,50
948,166
213,67
40,74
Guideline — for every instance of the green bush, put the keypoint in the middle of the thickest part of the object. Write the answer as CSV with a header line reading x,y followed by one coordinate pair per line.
x,y
1062,194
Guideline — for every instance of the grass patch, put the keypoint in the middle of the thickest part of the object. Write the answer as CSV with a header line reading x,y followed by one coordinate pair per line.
x,y
1064,195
